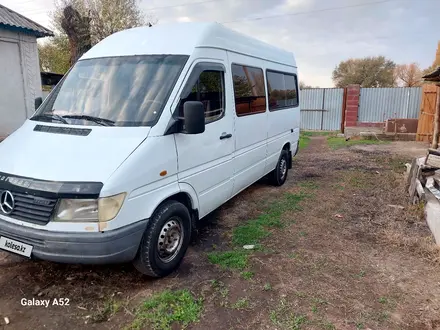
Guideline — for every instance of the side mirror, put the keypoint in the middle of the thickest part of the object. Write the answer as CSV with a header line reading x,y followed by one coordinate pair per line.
x,y
38,101
194,115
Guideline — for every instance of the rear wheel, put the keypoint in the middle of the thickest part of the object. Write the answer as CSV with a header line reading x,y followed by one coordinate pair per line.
x,y
279,175
165,240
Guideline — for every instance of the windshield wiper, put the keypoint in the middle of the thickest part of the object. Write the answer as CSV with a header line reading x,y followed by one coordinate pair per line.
x,y
50,116
98,120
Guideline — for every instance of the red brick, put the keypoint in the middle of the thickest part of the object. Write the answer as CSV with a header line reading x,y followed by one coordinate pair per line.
x,y
351,118
353,102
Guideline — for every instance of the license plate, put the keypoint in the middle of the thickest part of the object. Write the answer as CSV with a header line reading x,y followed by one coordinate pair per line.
x,y
15,246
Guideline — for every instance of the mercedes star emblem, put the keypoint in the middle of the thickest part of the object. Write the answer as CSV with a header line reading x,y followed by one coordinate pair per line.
x,y
7,202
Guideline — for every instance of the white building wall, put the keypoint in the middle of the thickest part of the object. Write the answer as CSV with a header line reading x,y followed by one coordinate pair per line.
x,y
30,74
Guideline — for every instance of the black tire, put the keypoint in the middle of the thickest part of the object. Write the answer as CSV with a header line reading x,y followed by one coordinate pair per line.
x,y
279,175
150,258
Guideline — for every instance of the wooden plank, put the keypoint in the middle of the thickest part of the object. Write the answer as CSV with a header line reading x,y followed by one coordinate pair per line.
x,y
436,119
425,128
413,177
420,190
433,152
433,161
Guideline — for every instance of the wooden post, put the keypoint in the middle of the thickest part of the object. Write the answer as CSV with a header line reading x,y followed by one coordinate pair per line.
x,y
436,118
344,108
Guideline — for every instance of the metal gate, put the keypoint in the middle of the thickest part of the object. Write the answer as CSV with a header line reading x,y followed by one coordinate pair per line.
x,y
321,108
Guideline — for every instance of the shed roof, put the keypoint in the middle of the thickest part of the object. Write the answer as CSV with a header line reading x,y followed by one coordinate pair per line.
x,y
433,76
183,39
11,20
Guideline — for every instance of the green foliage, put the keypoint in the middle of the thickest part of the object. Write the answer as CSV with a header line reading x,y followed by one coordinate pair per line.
x,y
303,141
241,303
318,133
55,54
164,309
367,72
106,16
255,230
247,275
283,317
229,259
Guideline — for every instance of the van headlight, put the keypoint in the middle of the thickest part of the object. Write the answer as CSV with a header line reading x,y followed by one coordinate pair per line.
x,y
89,210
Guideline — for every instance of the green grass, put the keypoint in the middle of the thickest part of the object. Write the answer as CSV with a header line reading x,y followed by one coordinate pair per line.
x,y
254,230
303,141
283,317
247,275
383,300
339,142
309,184
229,259
319,133
361,274
165,309
241,303
109,309
267,287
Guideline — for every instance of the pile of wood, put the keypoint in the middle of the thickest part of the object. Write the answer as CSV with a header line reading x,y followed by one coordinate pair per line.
x,y
423,179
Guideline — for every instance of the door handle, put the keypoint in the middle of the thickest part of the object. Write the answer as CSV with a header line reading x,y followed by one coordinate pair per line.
x,y
225,136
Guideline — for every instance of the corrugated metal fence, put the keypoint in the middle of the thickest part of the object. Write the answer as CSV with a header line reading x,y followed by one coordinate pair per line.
x,y
379,104
321,108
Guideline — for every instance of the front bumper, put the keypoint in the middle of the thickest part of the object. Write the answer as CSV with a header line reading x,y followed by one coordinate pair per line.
x,y
114,246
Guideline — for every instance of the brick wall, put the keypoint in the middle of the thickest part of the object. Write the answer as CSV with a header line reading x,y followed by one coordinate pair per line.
x,y
352,105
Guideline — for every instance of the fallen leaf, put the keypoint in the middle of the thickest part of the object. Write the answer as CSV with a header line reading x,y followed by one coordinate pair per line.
x,y
338,216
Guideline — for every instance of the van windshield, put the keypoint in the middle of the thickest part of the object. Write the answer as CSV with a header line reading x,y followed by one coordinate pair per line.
x,y
113,91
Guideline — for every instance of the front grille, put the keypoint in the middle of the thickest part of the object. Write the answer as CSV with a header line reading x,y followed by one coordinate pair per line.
x,y
33,209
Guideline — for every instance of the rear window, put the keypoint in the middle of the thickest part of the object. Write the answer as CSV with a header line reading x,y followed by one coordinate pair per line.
x,y
283,90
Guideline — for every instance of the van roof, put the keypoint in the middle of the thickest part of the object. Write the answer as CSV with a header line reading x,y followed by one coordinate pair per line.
x,y
182,39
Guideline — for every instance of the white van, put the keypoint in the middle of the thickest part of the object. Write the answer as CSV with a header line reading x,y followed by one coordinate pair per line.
x,y
150,131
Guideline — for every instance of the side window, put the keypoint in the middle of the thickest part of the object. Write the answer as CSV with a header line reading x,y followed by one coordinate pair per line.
x,y
291,90
249,90
283,90
277,90
208,89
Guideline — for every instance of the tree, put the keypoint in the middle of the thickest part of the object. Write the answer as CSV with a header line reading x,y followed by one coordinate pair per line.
x,y
408,75
367,72
303,85
77,29
55,55
87,22
106,16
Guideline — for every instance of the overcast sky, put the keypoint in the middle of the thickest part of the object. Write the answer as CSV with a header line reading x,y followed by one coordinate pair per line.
x,y
320,33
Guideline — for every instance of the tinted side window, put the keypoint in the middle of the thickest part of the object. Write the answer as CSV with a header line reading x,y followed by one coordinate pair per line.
x,y
277,90
283,91
249,90
208,89
291,90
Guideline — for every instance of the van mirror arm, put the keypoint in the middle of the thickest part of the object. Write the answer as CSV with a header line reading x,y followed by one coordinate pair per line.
x,y
174,126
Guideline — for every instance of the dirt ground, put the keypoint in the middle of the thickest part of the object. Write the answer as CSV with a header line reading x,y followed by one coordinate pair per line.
x,y
343,259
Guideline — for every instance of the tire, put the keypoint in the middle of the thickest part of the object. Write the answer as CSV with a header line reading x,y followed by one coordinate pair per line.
x,y
279,175
160,253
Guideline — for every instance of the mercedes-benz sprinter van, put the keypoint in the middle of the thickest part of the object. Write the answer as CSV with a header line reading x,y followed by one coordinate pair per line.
x,y
150,131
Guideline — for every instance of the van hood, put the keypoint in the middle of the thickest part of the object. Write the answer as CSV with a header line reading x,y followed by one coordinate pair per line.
x,y
68,156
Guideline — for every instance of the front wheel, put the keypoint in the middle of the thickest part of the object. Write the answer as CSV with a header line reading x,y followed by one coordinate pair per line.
x,y
165,240
279,175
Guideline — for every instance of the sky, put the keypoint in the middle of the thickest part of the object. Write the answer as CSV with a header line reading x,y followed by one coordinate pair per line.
x,y
321,33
